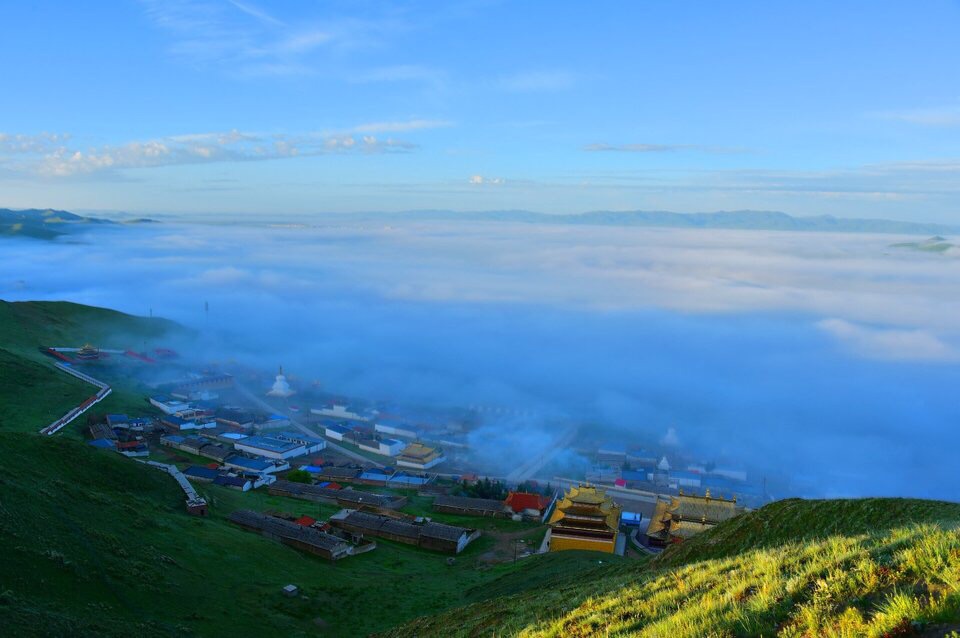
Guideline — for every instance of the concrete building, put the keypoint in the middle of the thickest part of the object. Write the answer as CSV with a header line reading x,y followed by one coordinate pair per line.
x,y
168,404
336,431
684,478
310,443
398,428
260,465
234,482
391,447
271,447
339,410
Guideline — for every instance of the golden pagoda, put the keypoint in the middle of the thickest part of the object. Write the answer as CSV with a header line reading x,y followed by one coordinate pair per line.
x,y
686,515
88,353
586,518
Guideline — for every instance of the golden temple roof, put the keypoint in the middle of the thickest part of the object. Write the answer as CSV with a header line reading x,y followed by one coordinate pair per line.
x,y
586,501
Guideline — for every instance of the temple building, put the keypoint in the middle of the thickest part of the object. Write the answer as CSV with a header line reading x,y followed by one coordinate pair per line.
x,y
88,353
585,518
420,457
280,387
685,515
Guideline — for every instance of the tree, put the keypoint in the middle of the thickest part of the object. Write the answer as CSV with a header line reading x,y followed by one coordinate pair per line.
x,y
299,476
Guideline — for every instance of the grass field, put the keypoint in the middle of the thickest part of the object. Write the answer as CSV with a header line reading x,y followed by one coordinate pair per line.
x,y
95,544
871,567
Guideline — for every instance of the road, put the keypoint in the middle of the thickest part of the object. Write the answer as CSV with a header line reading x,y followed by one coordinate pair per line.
x,y
531,467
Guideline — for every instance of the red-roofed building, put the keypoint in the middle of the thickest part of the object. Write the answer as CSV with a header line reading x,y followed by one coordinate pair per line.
x,y
526,503
620,482
333,486
213,466
305,520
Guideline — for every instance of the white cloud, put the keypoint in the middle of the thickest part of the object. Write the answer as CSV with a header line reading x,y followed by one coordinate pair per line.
x,y
401,126
42,142
889,343
50,156
480,180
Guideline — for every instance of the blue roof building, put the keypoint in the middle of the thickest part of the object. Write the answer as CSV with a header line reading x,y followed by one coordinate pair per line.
x,y
633,475
201,473
271,447
245,463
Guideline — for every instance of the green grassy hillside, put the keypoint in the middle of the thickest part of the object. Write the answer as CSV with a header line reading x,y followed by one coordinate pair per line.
x,y
96,544
871,567
32,391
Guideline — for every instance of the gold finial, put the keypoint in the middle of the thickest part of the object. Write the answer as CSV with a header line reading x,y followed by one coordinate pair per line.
x,y
681,491
707,495
734,498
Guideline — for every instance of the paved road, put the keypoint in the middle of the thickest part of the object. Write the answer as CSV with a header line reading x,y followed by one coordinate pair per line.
x,y
330,444
528,469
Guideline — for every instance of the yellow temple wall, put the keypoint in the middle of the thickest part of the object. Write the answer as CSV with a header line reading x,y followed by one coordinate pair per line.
x,y
563,543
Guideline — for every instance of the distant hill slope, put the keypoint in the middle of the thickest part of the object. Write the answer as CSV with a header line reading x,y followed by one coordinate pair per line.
x,y
33,392
734,220
870,567
42,223
935,244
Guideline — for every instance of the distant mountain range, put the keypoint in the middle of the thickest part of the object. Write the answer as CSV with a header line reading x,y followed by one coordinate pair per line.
x,y
740,220
47,223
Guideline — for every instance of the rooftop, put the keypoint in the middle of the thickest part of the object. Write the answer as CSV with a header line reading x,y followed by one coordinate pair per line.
x,y
269,443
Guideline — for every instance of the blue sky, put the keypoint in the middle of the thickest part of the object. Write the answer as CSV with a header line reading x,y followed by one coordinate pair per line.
x,y
849,108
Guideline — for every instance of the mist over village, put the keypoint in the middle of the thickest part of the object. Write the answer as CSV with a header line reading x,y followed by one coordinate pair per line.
x,y
479,318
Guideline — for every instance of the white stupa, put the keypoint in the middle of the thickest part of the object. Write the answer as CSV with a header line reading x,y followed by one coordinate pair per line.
x,y
280,387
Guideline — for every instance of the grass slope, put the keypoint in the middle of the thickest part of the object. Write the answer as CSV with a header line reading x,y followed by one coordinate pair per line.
x,y
871,567
95,544
32,391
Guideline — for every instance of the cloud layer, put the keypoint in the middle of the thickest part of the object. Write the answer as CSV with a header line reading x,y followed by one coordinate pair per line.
x,y
825,362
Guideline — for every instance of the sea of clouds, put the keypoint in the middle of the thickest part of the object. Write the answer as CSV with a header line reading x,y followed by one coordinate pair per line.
x,y
830,359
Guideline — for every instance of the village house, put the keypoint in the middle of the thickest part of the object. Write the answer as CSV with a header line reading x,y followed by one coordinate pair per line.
x,y
304,538
527,504
342,497
311,443
470,506
435,536
260,465
336,431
